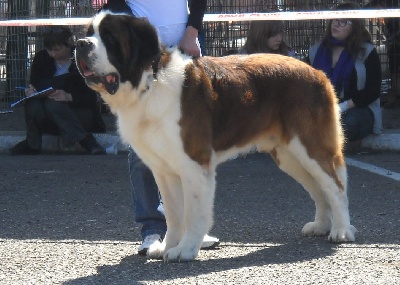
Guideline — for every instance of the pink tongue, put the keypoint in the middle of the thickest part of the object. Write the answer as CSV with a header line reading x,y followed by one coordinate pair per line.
x,y
88,73
110,78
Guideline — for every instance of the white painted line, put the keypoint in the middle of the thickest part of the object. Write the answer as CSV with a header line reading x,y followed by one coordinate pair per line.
x,y
373,169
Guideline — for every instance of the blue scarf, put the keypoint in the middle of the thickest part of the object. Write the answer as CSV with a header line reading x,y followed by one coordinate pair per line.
x,y
340,75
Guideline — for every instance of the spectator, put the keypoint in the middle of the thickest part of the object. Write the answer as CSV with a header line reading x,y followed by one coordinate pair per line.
x,y
351,61
266,37
392,33
71,110
175,28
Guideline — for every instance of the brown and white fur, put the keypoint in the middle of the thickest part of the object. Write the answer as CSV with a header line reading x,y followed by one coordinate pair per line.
x,y
183,116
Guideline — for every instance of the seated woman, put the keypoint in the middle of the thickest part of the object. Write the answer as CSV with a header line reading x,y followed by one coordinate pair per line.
x,y
266,37
351,61
71,109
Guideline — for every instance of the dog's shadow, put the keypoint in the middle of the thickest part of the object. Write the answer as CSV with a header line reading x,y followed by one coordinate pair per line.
x,y
137,268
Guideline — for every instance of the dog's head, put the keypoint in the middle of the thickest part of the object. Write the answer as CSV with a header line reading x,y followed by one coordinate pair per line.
x,y
118,49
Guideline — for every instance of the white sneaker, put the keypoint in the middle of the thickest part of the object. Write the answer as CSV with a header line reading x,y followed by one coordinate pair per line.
x,y
147,242
160,208
209,242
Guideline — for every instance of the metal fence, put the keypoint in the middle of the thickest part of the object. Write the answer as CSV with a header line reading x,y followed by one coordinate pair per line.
x,y
19,44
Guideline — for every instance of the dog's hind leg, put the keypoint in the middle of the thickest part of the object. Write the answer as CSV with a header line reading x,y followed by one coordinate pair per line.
x,y
198,185
338,230
330,173
291,165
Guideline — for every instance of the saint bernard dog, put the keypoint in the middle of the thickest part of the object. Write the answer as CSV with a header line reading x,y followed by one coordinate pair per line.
x,y
183,116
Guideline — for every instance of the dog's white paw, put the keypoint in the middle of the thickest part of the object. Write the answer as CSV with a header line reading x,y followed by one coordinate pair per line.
x,y
179,254
315,229
342,234
156,250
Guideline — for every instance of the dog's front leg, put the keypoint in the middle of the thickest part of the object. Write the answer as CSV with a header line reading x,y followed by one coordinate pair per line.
x,y
198,197
170,188
172,196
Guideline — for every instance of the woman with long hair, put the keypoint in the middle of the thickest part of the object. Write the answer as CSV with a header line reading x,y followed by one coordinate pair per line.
x,y
266,37
352,63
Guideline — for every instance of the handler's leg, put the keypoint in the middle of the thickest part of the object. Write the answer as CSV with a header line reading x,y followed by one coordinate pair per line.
x,y
146,200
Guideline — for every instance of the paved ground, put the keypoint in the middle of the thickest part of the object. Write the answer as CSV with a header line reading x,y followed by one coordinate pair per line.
x,y
67,219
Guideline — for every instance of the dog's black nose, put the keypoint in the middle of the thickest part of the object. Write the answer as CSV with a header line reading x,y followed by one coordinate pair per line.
x,y
82,43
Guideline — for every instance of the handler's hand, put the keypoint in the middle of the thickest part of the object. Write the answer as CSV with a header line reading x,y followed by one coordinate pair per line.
x,y
61,96
30,90
188,43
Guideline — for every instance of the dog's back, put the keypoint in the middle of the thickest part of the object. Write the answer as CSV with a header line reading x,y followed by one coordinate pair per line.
x,y
273,95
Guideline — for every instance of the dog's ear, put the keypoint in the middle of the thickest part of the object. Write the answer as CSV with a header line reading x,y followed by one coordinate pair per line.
x,y
130,35
150,46
142,45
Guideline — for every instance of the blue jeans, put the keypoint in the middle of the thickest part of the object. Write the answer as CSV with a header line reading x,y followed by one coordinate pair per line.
x,y
357,123
146,198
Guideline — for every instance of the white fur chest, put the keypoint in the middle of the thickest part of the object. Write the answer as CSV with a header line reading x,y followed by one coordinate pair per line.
x,y
151,124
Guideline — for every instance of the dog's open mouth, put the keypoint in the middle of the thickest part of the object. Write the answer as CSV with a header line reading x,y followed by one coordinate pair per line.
x,y
109,81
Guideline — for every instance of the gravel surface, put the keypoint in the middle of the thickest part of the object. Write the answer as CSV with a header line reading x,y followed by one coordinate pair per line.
x,y
67,219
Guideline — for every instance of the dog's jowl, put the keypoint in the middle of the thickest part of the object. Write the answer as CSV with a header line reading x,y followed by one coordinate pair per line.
x,y
183,116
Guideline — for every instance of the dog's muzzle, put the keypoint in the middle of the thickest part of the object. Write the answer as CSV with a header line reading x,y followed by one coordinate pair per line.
x,y
85,58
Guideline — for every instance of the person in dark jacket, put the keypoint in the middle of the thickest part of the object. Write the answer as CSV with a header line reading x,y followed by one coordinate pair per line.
x,y
391,30
70,110
352,63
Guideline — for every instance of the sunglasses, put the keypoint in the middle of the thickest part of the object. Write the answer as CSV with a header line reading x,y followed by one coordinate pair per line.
x,y
341,22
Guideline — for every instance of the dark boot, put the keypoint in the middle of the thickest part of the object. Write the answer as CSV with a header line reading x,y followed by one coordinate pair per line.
x,y
22,148
90,144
